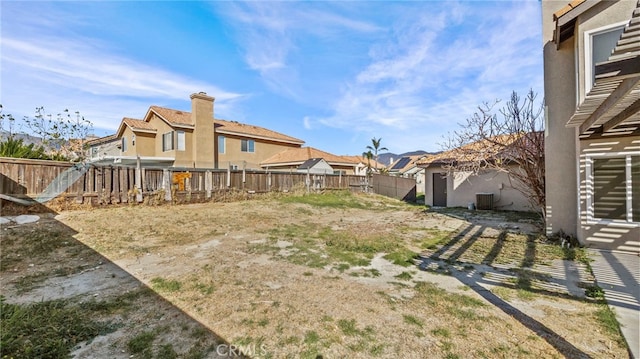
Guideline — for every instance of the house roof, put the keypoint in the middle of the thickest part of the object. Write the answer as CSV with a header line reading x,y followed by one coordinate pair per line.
x,y
565,19
101,140
612,107
135,124
570,6
310,163
183,119
484,149
297,156
360,159
173,117
241,129
406,163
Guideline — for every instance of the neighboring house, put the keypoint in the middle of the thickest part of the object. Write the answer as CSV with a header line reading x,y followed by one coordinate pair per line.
x,y
592,144
315,166
407,167
173,138
446,187
361,164
291,159
103,147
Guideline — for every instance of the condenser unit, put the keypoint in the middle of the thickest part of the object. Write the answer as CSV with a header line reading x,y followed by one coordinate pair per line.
x,y
484,200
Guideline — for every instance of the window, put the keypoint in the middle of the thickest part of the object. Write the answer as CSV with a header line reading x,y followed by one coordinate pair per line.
x,y
181,141
247,146
599,45
123,145
221,143
616,188
167,141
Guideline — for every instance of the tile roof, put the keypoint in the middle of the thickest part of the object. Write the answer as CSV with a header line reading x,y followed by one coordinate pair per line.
x,y
237,128
572,5
136,124
183,118
97,141
174,117
479,150
360,159
302,154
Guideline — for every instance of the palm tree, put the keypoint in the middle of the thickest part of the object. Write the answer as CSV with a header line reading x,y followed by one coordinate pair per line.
x,y
376,148
368,155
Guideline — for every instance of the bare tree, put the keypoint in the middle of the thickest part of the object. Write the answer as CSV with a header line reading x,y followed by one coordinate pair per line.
x,y
509,140
63,135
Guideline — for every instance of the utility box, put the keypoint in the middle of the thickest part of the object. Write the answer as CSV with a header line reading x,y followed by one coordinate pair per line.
x,y
484,200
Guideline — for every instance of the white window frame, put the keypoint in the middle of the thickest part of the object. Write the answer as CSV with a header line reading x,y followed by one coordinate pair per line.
x,y
181,138
628,222
171,143
222,142
588,52
251,146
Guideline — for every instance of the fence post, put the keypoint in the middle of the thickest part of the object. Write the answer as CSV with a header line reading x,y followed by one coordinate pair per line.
x,y
208,182
138,180
166,184
229,176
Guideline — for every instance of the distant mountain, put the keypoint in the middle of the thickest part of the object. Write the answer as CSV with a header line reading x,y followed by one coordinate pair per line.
x,y
386,158
26,139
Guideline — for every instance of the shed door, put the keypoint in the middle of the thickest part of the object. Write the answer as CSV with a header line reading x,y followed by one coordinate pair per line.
x,y
439,190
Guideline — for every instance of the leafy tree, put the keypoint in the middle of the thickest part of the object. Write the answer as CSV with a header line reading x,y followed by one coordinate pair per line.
x,y
375,148
509,140
13,147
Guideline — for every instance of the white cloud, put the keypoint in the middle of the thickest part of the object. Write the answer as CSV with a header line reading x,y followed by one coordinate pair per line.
x,y
268,33
432,75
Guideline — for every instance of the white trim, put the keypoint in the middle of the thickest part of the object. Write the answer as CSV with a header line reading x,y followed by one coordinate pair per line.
x,y
589,189
588,53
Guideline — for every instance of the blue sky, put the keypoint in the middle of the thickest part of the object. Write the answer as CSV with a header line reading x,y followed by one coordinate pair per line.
x,y
334,74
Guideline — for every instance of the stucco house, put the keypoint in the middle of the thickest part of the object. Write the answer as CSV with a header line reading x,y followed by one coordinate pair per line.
x,y
291,159
447,186
362,164
172,138
592,139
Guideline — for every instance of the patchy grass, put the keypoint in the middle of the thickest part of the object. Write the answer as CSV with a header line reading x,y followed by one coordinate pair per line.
x,y
410,319
46,329
404,276
164,285
402,257
142,344
336,199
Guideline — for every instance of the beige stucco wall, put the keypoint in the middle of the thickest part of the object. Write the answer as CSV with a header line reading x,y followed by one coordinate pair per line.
x,y
603,234
564,84
145,144
248,160
463,186
200,143
560,141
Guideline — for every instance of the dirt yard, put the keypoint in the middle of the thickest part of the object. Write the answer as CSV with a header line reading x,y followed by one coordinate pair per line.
x,y
307,276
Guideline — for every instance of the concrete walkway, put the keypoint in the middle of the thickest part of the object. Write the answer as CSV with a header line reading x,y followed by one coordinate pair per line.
x,y
618,275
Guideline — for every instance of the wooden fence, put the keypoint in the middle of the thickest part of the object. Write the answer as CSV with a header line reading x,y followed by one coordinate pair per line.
x,y
115,184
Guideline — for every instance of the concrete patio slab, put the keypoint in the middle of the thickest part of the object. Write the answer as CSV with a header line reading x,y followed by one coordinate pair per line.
x,y
618,274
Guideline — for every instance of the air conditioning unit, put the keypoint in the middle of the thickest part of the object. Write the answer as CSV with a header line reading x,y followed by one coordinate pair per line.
x,y
484,200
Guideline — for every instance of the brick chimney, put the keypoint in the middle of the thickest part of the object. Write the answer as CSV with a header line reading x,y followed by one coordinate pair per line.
x,y
203,133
